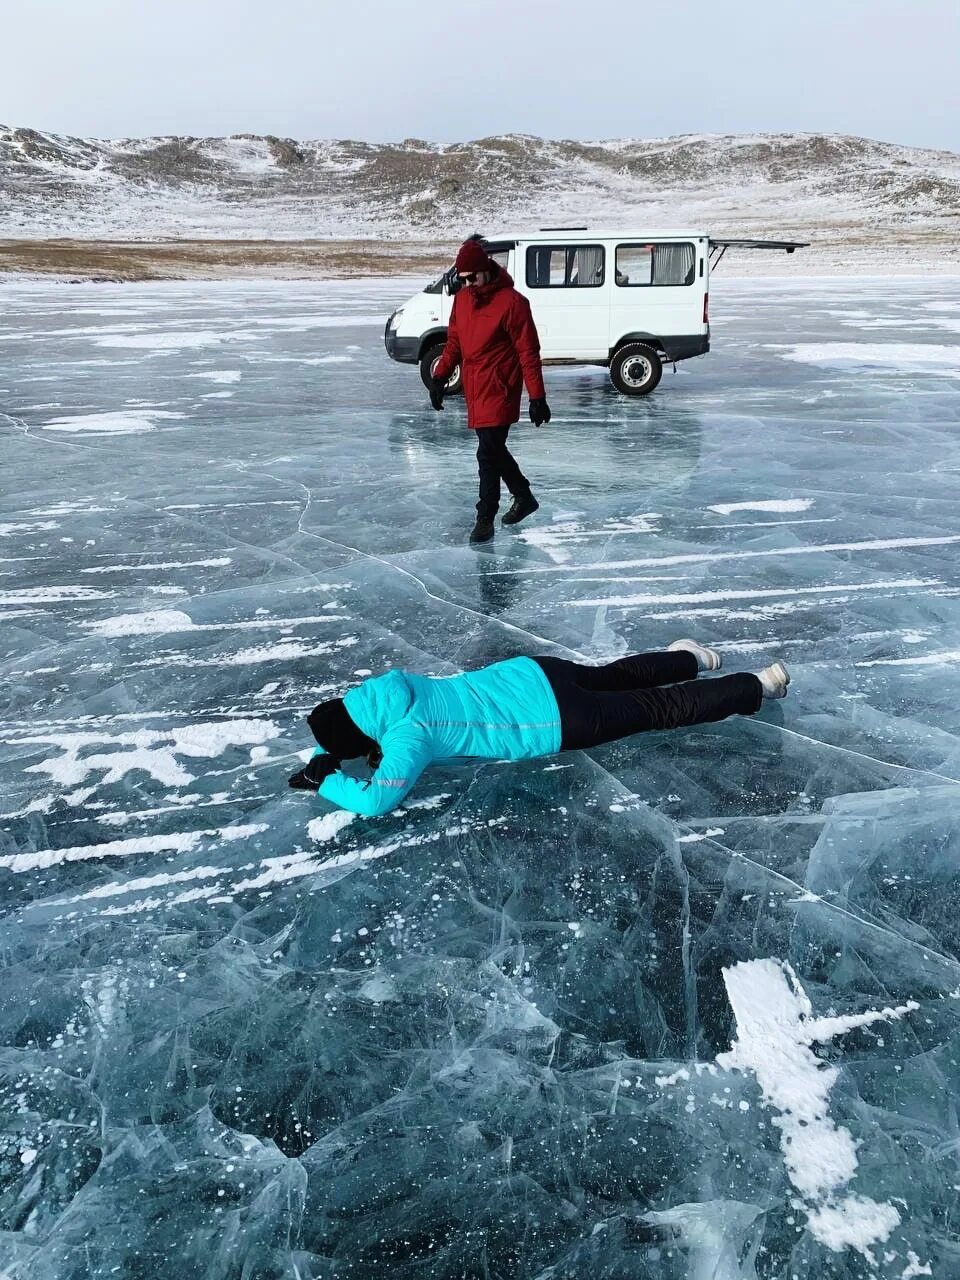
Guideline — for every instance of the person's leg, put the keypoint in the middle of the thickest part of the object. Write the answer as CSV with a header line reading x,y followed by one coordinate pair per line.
x,y
591,717
637,671
491,444
510,472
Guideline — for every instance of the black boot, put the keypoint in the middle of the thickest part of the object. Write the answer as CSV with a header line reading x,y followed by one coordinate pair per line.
x,y
522,506
482,531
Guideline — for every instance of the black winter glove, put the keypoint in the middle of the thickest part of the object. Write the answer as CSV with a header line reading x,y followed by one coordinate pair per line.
x,y
437,388
314,772
539,411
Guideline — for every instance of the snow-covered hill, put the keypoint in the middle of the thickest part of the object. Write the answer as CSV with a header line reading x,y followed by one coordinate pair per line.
x,y
848,189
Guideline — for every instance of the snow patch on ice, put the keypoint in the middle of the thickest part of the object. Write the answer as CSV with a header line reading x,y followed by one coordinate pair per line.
x,y
163,621
51,595
766,504
218,375
174,842
428,802
153,622
139,884
217,562
325,828
664,1082
158,341
854,1222
889,357
711,557
282,651
948,658
914,1267
562,533
707,597
775,1027
27,526
152,750
117,422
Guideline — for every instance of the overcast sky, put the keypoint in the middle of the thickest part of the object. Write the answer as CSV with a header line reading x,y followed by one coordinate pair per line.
x,y
382,70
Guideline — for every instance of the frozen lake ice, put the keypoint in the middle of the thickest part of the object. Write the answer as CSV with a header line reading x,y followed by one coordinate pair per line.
x,y
685,1006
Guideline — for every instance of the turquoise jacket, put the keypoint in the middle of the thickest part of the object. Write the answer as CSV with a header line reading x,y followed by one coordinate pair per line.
x,y
506,711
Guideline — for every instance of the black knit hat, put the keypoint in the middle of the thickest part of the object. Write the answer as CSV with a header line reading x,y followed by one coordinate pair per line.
x,y
336,732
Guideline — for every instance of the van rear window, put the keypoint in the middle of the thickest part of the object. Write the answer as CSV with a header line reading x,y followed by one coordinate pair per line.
x,y
565,266
655,264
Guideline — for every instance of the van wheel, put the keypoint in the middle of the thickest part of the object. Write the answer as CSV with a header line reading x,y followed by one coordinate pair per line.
x,y
427,363
635,369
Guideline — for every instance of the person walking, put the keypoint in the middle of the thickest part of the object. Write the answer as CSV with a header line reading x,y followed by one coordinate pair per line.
x,y
492,337
517,709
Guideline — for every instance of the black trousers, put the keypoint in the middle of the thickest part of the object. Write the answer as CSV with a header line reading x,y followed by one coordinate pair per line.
x,y
601,704
497,463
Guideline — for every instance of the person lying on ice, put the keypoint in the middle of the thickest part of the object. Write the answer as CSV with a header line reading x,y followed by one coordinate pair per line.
x,y
514,710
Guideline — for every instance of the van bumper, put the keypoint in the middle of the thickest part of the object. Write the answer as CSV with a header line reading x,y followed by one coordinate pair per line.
x,y
403,350
684,346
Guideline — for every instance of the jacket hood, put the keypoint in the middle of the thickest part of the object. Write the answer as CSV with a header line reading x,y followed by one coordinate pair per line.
x,y
482,293
379,703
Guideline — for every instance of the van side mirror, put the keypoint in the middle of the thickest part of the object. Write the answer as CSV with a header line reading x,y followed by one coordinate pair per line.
x,y
452,281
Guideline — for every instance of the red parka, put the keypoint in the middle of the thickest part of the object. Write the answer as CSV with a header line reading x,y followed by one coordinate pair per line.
x,y
494,340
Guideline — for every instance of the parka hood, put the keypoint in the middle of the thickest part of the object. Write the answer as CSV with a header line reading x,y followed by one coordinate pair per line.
x,y
379,703
482,293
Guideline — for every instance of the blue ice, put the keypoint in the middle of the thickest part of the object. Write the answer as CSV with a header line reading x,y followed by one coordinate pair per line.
x,y
684,1006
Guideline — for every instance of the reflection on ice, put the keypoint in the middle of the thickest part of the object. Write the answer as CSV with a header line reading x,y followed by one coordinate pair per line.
x,y
684,1006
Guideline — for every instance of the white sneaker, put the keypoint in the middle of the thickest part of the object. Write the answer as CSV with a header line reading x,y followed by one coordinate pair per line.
x,y
707,659
774,679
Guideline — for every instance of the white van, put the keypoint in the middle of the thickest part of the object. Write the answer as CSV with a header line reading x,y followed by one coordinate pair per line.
x,y
631,301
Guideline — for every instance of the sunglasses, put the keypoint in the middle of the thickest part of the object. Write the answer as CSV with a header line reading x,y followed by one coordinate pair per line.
x,y
468,277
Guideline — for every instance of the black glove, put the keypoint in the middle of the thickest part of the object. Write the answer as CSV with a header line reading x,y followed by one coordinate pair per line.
x,y
437,388
539,411
313,774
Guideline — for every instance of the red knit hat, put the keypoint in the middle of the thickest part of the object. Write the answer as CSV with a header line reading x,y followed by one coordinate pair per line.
x,y
473,257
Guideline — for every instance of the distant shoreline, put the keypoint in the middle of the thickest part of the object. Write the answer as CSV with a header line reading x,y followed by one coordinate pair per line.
x,y
888,252
119,261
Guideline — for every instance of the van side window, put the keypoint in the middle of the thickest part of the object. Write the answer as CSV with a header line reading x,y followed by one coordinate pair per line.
x,y
499,251
562,266
655,264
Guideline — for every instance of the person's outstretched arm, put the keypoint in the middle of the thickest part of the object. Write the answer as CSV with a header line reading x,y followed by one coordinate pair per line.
x,y
451,352
406,753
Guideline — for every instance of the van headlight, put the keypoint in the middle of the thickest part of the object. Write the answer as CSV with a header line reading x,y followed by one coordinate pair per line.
x,y
395,319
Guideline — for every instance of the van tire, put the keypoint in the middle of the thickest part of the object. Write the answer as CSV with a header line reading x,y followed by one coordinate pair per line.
x,y
429,358
635,369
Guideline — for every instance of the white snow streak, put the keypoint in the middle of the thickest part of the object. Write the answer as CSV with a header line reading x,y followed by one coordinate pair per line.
x,y
775,1028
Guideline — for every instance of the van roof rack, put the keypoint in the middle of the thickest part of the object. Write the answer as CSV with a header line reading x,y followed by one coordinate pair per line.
x,y
584,228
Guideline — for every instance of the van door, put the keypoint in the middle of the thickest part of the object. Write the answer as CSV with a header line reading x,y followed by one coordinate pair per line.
x,y
567,287
659,289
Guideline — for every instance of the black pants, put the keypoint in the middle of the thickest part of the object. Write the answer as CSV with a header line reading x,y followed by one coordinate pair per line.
x,y
497,463
601,704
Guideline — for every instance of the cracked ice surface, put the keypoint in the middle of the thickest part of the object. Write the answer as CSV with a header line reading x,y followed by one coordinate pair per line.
x,y
683,1006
